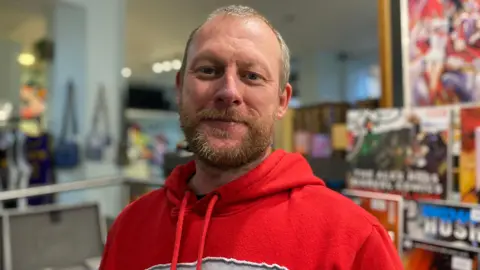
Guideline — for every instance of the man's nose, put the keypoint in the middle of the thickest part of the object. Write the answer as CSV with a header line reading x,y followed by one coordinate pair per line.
x,y
228,93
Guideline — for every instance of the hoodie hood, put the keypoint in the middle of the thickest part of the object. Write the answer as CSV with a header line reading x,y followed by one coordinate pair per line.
x,y
280,172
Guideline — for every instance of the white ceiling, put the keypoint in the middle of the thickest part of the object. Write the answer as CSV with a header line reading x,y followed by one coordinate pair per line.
x,y
157,29
23,21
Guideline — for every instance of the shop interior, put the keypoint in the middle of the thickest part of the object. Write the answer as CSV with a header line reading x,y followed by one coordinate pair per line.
x,y
89,122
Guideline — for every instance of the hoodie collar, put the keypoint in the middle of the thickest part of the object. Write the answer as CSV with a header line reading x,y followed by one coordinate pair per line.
x,y
279,172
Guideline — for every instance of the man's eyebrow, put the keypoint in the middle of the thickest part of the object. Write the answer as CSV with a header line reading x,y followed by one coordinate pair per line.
x,y
251,63
206,55
214,58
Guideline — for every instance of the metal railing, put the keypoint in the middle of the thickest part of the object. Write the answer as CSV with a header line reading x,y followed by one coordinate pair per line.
x,y
73,186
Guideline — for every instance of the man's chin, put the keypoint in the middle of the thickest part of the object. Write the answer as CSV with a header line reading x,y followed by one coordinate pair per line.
x,y
217,143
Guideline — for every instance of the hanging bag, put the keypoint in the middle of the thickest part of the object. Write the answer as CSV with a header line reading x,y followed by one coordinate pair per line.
x,y
123,143
67,150
98,140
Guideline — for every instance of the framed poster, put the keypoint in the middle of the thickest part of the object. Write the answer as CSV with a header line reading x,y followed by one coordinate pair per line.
x,y
387,208
441,50
400,152
422,254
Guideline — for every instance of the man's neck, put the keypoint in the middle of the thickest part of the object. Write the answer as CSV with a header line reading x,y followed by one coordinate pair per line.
x,y
208,178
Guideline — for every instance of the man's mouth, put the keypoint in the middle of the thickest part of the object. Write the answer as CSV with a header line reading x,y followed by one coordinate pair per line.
x,y
223,120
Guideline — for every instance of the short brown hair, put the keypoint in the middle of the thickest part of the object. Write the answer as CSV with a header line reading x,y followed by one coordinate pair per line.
x,y
247,12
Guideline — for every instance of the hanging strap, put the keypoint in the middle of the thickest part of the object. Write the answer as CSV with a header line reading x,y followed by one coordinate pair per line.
x,y
122,151
69,112
101,107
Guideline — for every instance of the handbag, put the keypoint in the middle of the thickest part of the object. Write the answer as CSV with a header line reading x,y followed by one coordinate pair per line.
x,y
96,140
67,150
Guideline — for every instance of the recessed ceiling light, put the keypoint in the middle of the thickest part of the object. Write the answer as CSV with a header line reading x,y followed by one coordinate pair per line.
x,y
26,59
167,66
176,64
126,72
158,67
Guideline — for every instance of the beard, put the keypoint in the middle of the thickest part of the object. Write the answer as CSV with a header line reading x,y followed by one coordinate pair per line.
x,y
252,146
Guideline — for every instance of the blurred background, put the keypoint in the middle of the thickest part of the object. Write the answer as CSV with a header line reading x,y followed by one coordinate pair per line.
x,y
88,121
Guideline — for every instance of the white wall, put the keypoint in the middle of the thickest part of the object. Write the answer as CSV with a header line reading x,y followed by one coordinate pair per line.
x,y
319,78
69,31
358,78
10,71
323,78
89,38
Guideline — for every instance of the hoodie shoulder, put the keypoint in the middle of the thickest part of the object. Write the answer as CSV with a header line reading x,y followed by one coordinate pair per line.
x,y
331,216
336,204
138,211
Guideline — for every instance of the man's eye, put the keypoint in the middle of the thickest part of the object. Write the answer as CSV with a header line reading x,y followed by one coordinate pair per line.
x,y
207,70
252,76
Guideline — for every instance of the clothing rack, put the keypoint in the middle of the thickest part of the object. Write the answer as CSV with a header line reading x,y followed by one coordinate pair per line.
x,y
15,172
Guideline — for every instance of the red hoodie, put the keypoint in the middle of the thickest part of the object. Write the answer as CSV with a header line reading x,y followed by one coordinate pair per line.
x,y
277,216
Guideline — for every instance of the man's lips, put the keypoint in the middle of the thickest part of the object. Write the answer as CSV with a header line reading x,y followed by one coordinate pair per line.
x,y
232,121
222,123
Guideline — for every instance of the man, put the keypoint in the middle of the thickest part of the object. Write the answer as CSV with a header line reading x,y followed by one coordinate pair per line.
x,y
241,205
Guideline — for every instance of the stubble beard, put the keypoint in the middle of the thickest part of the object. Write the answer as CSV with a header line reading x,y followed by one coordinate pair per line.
x,y
252,147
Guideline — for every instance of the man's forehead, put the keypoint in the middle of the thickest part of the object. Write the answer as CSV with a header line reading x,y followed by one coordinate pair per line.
x,y
251,28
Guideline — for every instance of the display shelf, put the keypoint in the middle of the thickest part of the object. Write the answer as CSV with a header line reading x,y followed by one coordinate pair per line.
x,y
135,114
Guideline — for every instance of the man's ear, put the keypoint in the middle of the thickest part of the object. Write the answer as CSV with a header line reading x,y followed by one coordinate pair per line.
x,y
178,87
285,97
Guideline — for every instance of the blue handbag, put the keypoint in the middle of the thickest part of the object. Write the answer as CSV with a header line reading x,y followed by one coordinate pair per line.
x,y
98,140
66,152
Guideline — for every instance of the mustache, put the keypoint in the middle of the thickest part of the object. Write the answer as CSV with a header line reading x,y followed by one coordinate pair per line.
x,y
228,115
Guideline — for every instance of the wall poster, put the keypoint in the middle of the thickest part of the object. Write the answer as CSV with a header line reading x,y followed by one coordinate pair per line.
x,y
401,152
387,208
441,50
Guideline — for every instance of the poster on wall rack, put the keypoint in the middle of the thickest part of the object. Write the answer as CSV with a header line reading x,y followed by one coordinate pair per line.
x,y
387,208
469,178
454,223
398,151
441,41
427,255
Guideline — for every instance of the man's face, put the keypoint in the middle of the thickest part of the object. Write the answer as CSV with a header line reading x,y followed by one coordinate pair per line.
x,y
230,96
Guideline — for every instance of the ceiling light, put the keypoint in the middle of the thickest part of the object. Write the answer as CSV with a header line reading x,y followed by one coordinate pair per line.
x,y
126,72
176,64
26,59
167,66
158,67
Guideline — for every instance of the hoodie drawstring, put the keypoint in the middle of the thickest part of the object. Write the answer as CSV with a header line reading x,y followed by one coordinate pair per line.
x,y
208,217
178,232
